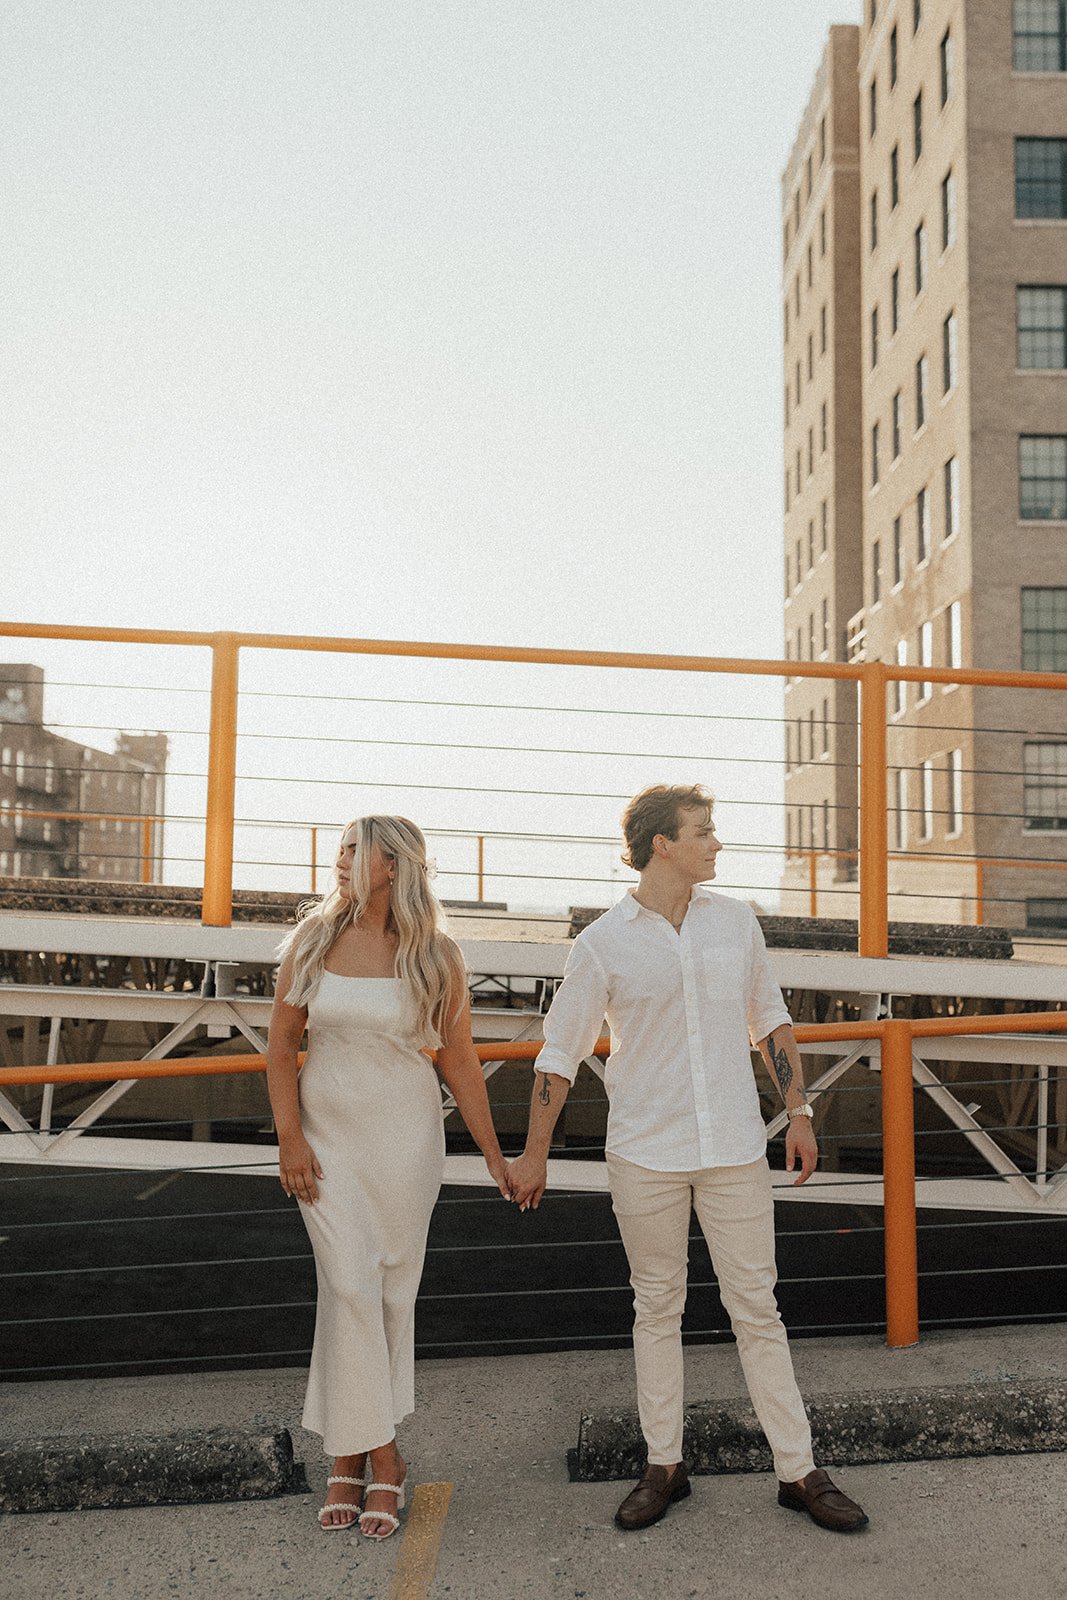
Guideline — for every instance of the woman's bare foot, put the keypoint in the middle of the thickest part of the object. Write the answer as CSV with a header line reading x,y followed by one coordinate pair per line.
x,y
344,1494
387,1465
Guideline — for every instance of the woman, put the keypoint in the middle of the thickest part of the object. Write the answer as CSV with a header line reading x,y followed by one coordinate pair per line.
x,y
361,1141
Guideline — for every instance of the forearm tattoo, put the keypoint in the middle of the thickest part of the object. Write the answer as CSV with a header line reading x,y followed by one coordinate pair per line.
x,y
780,1062
544,1094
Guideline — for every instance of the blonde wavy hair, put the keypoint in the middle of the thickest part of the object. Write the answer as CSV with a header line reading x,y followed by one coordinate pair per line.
x,y
428,962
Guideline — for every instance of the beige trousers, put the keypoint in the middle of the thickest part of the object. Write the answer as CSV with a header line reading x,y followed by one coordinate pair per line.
x,y
735,1208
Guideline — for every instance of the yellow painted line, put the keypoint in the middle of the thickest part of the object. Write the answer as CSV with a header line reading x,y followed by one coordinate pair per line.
x,y
417,1562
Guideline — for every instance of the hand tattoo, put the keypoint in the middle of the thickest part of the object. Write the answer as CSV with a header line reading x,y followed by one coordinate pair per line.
x,y
543,1093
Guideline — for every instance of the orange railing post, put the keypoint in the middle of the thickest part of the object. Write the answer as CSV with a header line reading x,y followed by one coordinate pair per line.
x,y
222,779
146,850
898,1187
874,831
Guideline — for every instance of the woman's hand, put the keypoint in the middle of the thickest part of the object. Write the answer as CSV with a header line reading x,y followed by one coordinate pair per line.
x,y
298,1167
498,1171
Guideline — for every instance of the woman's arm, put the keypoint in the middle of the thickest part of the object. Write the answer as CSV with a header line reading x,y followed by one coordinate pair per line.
x,y
298,1166
458,1064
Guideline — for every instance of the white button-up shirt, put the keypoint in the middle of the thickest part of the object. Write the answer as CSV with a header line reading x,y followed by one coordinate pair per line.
x,y
683,1009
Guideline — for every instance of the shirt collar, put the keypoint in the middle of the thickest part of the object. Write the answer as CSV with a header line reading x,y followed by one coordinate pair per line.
x,y
630,906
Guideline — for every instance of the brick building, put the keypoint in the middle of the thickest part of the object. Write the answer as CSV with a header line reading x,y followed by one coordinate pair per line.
x,y
68,810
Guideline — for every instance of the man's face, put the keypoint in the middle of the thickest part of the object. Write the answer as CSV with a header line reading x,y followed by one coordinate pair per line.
x,y
692,854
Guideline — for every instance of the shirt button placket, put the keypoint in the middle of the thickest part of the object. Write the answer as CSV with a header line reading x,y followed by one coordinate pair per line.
x,y
698,1077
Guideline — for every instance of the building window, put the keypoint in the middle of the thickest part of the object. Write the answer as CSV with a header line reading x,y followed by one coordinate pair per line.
x,y
920,258
876,572
1044,630
898,553
811,657
1041,178
894,301
946,67
1045,787
874,337
928,800
789,832
917,125
788,747
1040,42
1046,915
822,331
822,232
872,107
796,211
874,455
811,546
926,656
955,634
798,471
901,686
874,220
898,420
824,430
826,724
796,294
825,516
811,451
901,809
799,569
825,627
949,353
811,268
922,389
1043,478
955,793
822,141
916,14
786,319
952,497
948,211
811,357
922,524
1041,320
894,178
807,179
893,57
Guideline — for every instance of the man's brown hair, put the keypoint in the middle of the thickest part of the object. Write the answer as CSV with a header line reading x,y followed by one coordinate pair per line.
x,y
657,810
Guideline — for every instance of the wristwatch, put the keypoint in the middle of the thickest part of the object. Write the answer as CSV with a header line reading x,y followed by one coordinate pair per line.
x,y
800,1111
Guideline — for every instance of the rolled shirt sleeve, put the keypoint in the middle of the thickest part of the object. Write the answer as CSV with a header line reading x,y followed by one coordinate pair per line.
x,y
576,1016
765,1007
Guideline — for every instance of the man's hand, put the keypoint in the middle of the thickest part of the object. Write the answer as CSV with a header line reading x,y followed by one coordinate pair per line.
x,y
800,1141
527,1177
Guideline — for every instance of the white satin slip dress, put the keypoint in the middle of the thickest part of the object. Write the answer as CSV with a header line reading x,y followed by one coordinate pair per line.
x,y
370,1107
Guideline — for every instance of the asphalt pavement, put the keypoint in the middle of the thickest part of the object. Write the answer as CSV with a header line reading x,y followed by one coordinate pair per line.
x,y
497,1430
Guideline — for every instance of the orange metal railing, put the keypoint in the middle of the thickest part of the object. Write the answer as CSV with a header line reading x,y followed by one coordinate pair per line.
x,y
148,824
812,857
895,1036
872,676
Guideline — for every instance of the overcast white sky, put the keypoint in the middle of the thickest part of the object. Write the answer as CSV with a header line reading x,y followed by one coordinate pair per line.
x,y
444,319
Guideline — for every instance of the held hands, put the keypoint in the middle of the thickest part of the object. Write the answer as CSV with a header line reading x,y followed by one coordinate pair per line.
x,y
498,1171
298,1167
800,1141
528,1176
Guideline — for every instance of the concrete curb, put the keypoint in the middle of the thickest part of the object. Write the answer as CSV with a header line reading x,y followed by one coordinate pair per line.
x,y
134,1469
903,1425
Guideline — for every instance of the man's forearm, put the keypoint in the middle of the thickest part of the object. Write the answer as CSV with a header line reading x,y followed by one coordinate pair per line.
x,y
780,1052
549,1095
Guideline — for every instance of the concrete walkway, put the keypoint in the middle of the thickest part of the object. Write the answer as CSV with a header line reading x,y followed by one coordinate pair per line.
x,y
517,1529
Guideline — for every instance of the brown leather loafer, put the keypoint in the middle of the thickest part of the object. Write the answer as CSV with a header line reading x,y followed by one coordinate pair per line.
x,y
819,1496
652,1496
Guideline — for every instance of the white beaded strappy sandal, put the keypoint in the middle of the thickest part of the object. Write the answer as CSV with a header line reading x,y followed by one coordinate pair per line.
x,y
340,1505
383,1516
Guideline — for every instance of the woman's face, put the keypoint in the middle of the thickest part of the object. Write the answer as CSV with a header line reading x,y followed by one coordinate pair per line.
x,y
381,874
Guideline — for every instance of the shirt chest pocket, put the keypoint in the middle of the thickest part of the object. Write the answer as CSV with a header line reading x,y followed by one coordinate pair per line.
x,y
722,971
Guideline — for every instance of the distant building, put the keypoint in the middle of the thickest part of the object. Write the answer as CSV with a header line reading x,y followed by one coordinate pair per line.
x,y
926,430
68,810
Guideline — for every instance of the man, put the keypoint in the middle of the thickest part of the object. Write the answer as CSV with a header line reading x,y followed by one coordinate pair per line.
x,y
681,974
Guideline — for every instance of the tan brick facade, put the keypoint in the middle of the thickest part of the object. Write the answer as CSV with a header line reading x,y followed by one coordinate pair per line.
x,y
941,405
